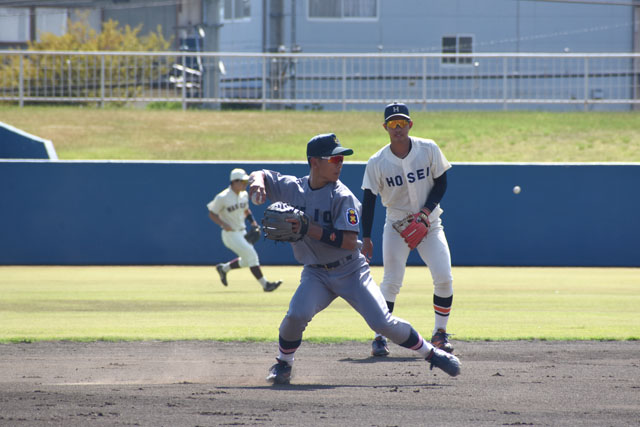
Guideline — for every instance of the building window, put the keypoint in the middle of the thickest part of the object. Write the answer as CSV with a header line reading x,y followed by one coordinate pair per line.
x,y
15,25
341,9
235,9
457,44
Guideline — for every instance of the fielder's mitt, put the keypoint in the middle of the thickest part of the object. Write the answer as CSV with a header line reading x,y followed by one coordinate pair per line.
x,y
276,226
253,235
413,228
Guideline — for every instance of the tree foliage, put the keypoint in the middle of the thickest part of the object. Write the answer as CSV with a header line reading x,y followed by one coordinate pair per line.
x,y
87,76
81,37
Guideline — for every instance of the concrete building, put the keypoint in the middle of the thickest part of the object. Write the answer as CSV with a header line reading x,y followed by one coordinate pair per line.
x,y
350,25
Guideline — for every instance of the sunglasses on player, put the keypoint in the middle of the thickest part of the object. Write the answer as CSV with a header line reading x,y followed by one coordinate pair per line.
x,y
401,123
334,159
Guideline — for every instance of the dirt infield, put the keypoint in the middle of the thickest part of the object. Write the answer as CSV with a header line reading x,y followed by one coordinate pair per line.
x,y
199,383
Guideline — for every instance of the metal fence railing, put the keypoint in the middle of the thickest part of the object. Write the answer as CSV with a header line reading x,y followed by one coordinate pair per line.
x,y
321,80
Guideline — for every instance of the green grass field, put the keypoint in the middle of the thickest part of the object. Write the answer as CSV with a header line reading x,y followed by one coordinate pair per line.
x,y
183,303
175,303
93,133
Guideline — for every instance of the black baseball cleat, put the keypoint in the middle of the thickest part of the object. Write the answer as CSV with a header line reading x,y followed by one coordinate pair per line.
x,y
280,373
222,273
272,286
445,361
379,347
441,340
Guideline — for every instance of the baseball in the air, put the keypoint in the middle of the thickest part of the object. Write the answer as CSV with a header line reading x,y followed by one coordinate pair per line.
x,y
256,199
516,189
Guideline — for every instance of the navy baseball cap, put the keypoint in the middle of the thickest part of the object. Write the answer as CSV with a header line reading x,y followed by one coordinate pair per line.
x,y
326,145
396,109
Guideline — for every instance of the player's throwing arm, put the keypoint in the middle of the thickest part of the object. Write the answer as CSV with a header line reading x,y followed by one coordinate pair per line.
x,y
257,190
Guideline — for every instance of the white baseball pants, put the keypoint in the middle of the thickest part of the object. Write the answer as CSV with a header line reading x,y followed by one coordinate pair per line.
x,y
434,251
235,241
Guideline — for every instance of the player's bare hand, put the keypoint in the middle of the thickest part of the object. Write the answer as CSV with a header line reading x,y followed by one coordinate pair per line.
x,y
367,248
226,227
257,189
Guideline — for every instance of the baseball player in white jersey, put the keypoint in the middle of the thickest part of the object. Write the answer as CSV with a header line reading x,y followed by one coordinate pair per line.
x,y
328,247
410,176
229,209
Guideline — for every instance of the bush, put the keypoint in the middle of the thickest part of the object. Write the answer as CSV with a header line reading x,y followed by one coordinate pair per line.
x,y
164,105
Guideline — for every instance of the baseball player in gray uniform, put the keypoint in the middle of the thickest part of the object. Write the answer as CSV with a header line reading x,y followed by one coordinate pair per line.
x,y
330,252
229,209
410,176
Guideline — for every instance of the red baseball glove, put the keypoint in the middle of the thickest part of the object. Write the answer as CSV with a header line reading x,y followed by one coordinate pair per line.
x,y
414,227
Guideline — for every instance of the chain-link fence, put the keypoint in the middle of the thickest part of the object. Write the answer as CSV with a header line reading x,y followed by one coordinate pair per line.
x,y
319,81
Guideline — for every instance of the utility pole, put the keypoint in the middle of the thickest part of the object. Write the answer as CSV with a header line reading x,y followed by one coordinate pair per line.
x,y
636,61
276,44
293,49
211,43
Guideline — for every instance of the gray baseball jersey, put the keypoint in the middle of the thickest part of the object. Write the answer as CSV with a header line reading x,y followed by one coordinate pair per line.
x,y
333,205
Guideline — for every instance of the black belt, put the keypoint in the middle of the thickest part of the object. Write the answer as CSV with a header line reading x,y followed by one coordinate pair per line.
x,y
334,264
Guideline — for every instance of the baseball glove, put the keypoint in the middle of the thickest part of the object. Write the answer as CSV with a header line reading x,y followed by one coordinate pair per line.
x,y
276,226
253,235
413,228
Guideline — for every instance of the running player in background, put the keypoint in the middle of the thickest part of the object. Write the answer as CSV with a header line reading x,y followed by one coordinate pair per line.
x,y
410,176
330,252
229,209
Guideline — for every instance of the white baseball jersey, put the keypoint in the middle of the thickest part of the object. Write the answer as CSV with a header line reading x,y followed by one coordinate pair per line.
x,y
404,184
231,207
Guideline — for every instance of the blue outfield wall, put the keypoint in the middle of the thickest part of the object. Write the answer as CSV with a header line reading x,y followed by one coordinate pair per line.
x,y
148,213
